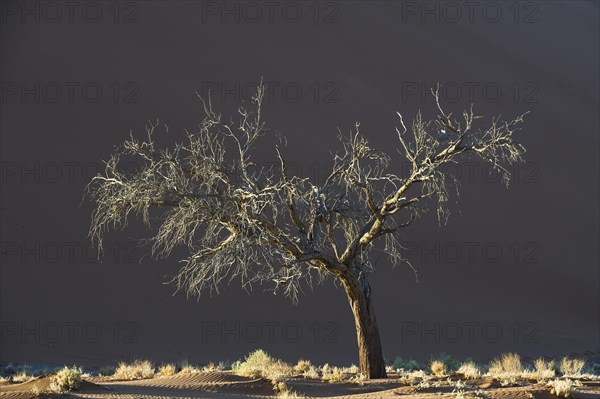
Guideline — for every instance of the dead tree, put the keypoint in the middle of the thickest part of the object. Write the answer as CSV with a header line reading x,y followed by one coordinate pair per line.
x,y
259,224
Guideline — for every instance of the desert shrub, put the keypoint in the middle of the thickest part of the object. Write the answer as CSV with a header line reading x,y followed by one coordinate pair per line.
x,y
562,388
24,372
11,369
469,370
66,379
106,371
138,370
261,364
253,365
332,374
44,370
167,370
571,367
8,368
278,371
405,365
438,368
451,363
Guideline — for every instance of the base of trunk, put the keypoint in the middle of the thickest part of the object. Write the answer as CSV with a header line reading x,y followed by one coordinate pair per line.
x,y
370,354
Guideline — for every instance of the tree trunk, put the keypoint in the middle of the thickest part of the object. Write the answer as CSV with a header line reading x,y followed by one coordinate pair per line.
x,y
370,354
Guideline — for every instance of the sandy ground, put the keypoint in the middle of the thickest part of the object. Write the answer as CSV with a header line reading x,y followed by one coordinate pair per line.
x,y
223,384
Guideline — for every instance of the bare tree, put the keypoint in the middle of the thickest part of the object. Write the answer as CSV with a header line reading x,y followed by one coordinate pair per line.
x,y
258,224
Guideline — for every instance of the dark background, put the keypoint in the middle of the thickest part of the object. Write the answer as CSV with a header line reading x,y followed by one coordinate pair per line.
x,y
354,60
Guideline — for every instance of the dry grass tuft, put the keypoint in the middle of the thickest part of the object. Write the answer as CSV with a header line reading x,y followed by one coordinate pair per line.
x,y
289,394
167,370
414,378
138,370
22,377
572,367
507,366
332,374
278,371
359,379
469,370
544,370
353,369
306,369
186,368
302,366
562,388
438,368
285,392
312,372
212,366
